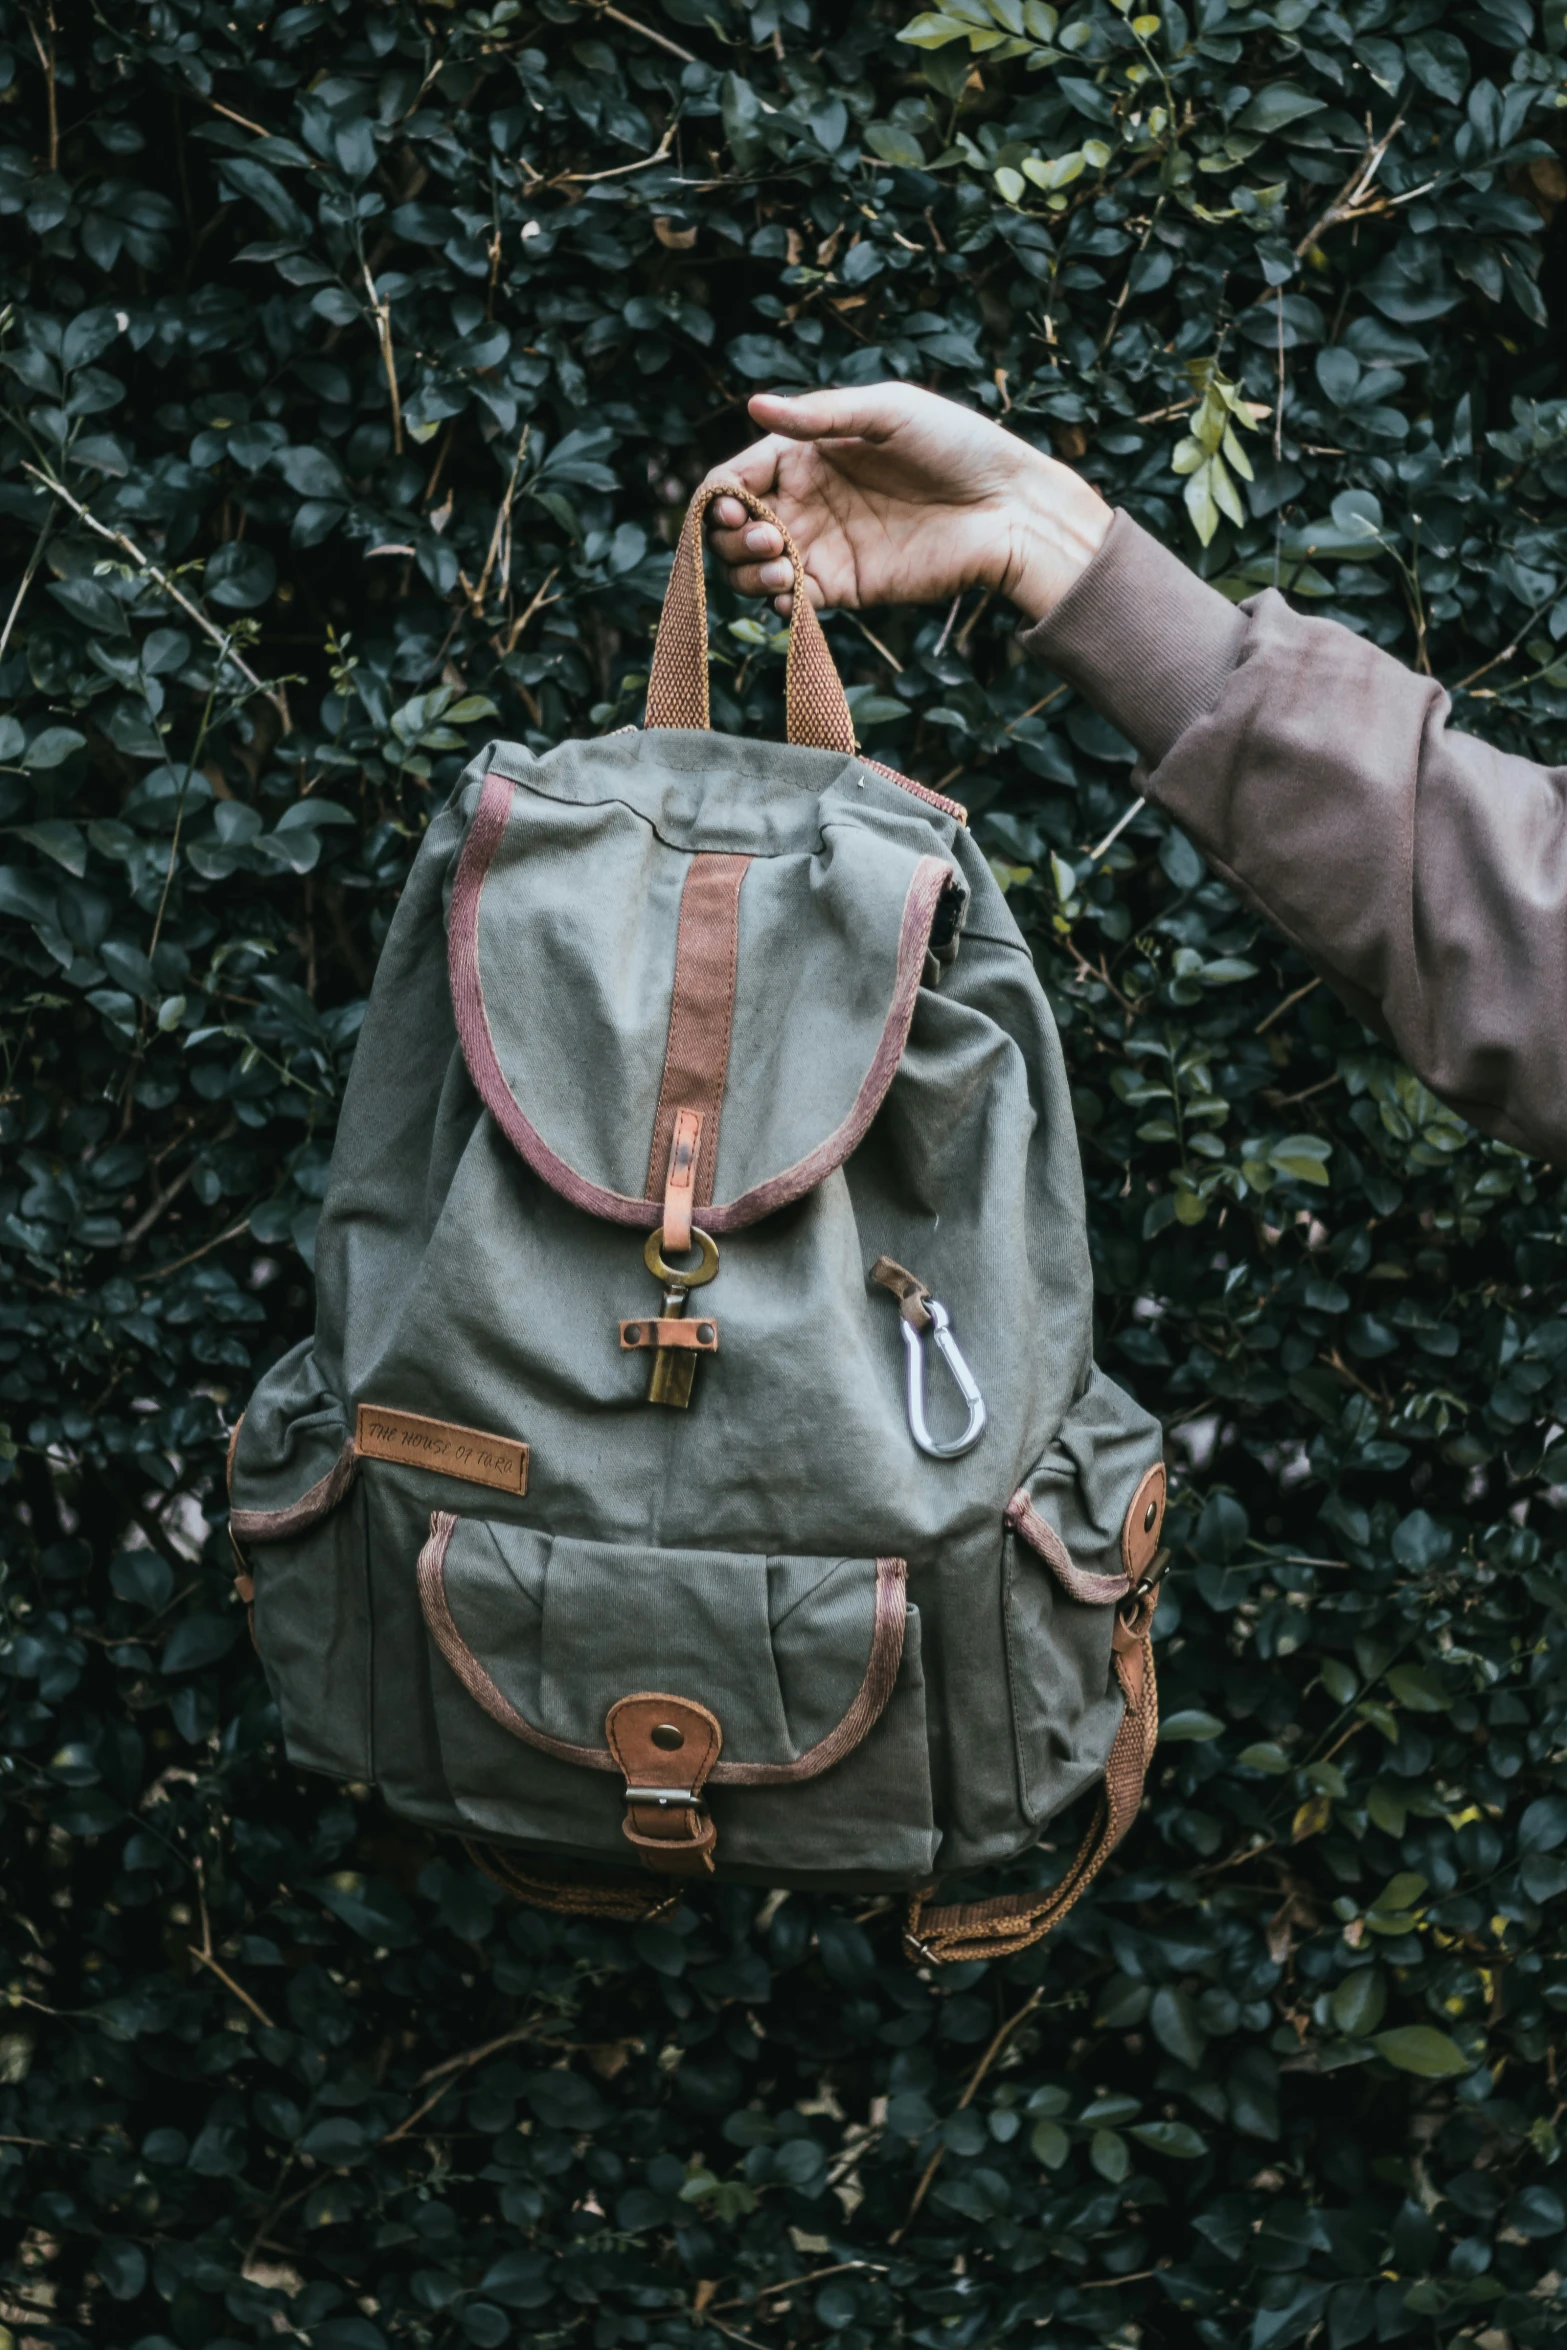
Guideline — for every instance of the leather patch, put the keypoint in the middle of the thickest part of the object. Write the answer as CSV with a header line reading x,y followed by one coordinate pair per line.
x,y
1143,1523
697,1337
414,1442
680,1184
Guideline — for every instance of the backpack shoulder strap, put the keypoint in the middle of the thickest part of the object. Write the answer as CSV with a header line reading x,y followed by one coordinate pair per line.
x,y
1011,1922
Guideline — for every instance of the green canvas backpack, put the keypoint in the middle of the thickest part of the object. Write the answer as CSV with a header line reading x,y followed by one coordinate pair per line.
x,y
700,1463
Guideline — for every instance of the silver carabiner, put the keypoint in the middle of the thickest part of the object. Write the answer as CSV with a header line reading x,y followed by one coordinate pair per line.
x,y
962,1376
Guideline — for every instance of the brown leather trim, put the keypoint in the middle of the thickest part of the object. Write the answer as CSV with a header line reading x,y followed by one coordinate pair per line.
x,y
926,884
661,1332
685,1146
869,1703
300,1515
676,1838
701,1017
1014,1921
909,1290
411,1440
469,1671
228,1457
1040,1535
1139,1538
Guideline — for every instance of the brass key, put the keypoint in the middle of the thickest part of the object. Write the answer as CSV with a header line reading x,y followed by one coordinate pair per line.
x,y
676,1341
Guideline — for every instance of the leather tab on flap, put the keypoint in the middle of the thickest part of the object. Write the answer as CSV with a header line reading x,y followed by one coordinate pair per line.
x,y
699,1337
666,1746
680,1183
909,1290
1143,1524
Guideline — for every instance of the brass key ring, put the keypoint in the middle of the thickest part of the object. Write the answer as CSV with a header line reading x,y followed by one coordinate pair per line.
x,y
702,1273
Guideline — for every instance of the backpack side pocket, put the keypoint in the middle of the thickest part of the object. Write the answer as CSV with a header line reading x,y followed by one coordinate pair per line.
x,y
306,1559
1080,1532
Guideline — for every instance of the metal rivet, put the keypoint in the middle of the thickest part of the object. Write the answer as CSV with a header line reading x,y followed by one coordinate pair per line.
x,y
633,1333
1149,1515
704,1332
666,1735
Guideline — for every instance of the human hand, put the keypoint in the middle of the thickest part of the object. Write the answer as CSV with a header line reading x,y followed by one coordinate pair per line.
x,y
896,496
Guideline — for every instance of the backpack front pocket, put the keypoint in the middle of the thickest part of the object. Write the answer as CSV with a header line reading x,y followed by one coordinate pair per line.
x,y
807,1670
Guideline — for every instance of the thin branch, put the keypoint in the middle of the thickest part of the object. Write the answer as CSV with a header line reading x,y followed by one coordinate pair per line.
x,y
381,312
967,2098
445,2073
811,2277
1355,188
117,538
960,646
1287,1101
205,1250
1162,415
886,652
1034,708
28,577
581,179
1116,830
470,2056
206,1959
46,60
660,40
502,518
1279,1010
536,603
244,122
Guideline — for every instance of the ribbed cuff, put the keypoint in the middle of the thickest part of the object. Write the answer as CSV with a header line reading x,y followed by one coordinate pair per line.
x,y
1142,638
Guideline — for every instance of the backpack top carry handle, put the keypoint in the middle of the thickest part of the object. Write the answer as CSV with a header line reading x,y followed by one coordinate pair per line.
x,y
818,714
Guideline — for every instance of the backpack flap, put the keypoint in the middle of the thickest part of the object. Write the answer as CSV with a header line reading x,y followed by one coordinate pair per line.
x,y
610,970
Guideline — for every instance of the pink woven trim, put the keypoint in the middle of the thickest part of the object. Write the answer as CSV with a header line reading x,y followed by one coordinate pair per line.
x,y
438,1615
1040,1535
930,878
921,791
473,1025
299,1516
870,1701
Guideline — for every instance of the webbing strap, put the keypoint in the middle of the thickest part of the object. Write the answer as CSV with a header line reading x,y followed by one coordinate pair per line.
x,y
1011,1922
814,699
634,1900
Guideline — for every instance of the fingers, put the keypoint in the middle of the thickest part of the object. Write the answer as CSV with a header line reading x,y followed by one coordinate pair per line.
x,y
751,552
737,538
871,414
756,468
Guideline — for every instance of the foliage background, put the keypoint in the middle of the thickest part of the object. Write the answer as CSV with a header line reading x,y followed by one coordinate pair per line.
x,y
381,346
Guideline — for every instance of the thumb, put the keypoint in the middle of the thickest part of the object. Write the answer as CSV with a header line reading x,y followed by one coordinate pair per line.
x,y
869,415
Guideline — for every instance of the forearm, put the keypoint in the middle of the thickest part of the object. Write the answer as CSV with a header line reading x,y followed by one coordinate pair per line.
x,y
1423,873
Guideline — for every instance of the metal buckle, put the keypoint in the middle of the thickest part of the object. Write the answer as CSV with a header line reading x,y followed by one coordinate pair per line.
x,y
962,1378
1159,1567
663,1797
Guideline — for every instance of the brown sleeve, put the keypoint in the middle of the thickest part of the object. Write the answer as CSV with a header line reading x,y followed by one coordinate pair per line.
x,y
1421,872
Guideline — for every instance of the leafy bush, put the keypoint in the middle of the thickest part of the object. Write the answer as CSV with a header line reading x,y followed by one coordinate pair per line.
x,y
359,362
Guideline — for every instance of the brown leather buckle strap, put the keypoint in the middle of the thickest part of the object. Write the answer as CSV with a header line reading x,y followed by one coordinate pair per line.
x,y
818,712
666,1746
1015,1921
680,1182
